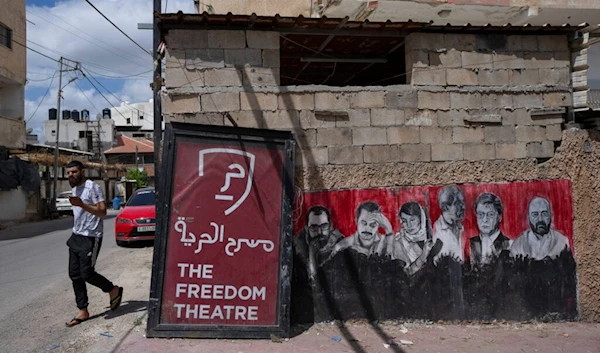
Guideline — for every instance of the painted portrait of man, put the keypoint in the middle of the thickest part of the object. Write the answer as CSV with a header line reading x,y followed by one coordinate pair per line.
x,y
448,227
490,241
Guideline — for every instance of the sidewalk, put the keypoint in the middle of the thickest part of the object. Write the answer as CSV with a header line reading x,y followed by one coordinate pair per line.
x,y
385,338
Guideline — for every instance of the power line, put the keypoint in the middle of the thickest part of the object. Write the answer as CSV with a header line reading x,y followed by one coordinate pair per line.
x,y
120,77
44,97
112,23
103,96
35,51
85,95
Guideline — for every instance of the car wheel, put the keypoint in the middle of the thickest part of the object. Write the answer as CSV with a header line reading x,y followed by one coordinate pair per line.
x,y
122,243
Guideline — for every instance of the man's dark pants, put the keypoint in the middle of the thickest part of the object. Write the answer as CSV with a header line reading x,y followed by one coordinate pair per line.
x,y
83,252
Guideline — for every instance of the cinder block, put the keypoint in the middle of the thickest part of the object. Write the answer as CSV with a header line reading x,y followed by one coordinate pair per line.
x,y
417,58
451,117
434,100
553,43
312,157
499,134
220,102
198,118
554,132
346,155
262,39
282,120
521,43
447,152
308,119
421,118
181,77
306,138
530,133
225,39
271,58
474,60
397,135
543,149
381,154
369,136
479,151
258,76
465,100
462,42
528,100
557,99
228,77
404,99
562,59
449,59
428,77
546,119
331,101
538,60
433,134
296,101
368,99
467,134
187,39
519,116
554,77
424,41
251,119
497,101
204,58
242,57
387,117
356,118
258,101
508,61
484,116
529,77
462,77
181,104
415,152
335,137
174,58
511,150
493,77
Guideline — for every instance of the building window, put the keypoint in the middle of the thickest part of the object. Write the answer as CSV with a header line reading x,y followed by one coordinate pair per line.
x,y
141,117
128,121
53,132
5,36
84,134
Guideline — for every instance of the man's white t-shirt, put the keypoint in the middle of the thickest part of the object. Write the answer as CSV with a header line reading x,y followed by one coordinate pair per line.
x,y
85,223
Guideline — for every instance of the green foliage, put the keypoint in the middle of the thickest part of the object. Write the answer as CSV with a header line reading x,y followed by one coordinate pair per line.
x,y
141,178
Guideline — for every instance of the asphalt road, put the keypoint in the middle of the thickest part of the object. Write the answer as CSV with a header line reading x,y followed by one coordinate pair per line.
x,y
34,257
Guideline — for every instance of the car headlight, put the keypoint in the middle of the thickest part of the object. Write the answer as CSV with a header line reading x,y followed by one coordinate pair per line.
x,y
124,220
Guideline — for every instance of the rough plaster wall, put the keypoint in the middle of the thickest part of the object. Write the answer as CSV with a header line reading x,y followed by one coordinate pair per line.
x,y
13,204
570,162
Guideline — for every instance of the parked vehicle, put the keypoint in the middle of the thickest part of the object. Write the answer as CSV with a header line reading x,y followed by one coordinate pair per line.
x,y
63,205
137,221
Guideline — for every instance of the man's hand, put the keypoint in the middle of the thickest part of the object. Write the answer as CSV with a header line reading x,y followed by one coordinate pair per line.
x,y
383,223
76,201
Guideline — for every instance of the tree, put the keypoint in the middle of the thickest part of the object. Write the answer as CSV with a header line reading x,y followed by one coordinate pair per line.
x,y
141,178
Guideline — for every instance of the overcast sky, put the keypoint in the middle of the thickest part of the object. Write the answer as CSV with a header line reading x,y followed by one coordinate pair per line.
x,y
73,29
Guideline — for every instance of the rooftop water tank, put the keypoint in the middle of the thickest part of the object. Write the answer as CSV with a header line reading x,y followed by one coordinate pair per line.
x,y
66,114
75,115
52,113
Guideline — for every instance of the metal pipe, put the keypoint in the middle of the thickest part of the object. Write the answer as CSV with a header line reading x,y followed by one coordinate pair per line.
x,y
56,151
156,87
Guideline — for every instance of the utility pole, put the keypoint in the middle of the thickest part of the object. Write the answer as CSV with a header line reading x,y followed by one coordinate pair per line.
x,y
72,66
136,158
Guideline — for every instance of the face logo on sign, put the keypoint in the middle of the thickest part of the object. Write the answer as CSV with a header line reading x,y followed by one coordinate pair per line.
x,y
236,171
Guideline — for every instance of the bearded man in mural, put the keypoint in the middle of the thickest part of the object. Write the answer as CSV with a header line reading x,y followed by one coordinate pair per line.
x,y
413,244
448,228
314,244
540,241
367,240
490,242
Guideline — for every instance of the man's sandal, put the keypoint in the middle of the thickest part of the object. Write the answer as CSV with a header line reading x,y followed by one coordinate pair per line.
x,y
75,321
116,301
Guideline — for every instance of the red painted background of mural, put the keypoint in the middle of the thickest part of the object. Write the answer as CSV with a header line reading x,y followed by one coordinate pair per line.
x,y
515,198
258,218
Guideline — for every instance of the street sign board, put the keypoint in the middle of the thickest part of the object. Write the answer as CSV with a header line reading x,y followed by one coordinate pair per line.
x,y
223,244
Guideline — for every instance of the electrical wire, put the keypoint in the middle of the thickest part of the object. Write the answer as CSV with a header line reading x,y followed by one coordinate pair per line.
x,y
117,27
44,97
85,95
103,96
119,77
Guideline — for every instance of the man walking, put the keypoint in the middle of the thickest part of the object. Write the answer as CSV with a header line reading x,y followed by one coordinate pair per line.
x,y
84,244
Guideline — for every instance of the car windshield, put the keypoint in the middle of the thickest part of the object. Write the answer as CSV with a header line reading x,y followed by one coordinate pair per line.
x,y
64,195
142,198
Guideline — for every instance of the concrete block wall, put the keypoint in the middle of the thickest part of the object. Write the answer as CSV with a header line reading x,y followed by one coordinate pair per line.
x,y
221,58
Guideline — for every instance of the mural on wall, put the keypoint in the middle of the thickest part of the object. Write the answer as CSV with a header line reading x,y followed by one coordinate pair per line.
x,y
472,251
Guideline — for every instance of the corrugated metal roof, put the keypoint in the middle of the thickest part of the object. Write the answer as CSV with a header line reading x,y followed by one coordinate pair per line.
x,y
594,99
308,25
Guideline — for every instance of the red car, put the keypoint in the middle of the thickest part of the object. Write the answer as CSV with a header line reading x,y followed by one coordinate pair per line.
x,y
137,221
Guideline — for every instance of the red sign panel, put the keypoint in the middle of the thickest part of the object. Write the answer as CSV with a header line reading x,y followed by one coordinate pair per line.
x,y
222,253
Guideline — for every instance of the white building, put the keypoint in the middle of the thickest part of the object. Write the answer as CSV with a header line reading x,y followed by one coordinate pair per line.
x,y
93,136
134,119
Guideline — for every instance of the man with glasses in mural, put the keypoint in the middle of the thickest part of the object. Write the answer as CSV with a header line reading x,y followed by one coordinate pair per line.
x,y
367,240
540,241
448,227
314,244
490,242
